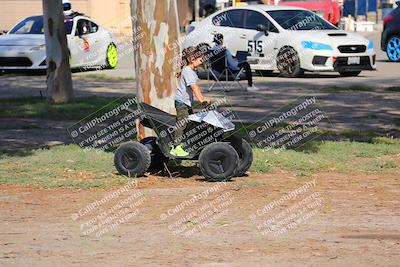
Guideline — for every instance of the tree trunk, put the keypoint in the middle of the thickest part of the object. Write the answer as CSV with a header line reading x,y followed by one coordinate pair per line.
x,y
59,82
156,52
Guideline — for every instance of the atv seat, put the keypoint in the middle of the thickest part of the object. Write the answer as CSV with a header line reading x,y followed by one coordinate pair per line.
x,y
158,116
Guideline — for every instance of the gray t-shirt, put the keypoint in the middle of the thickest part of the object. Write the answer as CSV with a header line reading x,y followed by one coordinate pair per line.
x,y
184,92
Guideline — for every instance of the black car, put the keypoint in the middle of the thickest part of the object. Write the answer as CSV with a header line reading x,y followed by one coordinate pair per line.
x,y
390,41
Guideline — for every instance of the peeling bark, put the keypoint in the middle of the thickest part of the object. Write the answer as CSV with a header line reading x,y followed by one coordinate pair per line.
x,y
156,53
59,82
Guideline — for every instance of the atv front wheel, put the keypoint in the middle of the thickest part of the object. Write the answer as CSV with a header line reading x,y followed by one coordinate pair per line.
x,y
218,162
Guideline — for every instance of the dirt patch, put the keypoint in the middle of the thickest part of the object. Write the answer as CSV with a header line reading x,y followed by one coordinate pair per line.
x,y
356,223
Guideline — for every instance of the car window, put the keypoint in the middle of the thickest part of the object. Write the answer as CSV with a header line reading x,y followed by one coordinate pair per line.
x,y
232,18
300,20
34,25
254,18
82,27
93,27
31,25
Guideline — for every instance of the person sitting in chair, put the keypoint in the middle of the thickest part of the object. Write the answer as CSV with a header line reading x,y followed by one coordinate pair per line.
x,y
233,64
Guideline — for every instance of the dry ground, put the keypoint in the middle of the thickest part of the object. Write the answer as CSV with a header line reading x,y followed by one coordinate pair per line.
x,y
356,223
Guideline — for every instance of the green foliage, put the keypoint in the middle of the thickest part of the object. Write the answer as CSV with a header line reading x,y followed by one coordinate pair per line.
x,y
320,155
377,165
72,167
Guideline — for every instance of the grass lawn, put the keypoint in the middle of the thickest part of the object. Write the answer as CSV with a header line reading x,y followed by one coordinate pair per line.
x,y
36,107
71,167
62,166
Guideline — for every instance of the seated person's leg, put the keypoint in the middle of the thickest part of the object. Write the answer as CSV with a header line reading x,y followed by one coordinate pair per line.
x,y
249,75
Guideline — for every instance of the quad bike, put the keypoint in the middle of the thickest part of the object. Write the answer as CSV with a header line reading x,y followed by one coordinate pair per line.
x,y
221,154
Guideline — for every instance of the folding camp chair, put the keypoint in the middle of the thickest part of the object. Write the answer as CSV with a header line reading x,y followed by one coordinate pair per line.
x,y
217,65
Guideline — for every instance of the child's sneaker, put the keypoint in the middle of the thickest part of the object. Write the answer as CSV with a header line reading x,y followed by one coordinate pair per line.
x,y
172,151
179,152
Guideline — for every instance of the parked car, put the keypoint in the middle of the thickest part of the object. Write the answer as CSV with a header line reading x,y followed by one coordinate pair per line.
x,y
90,45
272,33
390,40
328,9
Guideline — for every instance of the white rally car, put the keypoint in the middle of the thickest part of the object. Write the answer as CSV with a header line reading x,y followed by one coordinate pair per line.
x,y
89,44
288,39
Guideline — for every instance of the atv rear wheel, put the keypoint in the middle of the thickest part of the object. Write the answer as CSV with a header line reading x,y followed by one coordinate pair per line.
x,y
132,159
157,157
218,162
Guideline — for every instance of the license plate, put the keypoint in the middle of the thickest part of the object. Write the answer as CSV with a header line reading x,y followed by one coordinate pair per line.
x,y
353,61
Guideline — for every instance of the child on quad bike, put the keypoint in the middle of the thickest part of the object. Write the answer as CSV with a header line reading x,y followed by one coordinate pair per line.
x,y
192,57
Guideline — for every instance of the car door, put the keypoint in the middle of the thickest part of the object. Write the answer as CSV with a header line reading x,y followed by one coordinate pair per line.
x,y
70,30
259,44
99,44
84,43
231,24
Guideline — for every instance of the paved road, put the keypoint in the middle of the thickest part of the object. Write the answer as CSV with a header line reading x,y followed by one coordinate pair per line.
x,y
387,73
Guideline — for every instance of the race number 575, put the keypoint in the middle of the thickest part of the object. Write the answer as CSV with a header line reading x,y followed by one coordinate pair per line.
x,y
254,46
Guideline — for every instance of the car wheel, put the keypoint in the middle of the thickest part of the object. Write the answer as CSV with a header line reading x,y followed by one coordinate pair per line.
x,y
349,73
218,162
157,157
288,63
132,159
112,57
264,72
393,48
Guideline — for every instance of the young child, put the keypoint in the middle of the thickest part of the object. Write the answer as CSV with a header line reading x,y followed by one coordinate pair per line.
x,y
192,57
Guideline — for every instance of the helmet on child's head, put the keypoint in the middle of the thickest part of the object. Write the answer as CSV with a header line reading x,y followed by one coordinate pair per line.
x,y
218,38
67,7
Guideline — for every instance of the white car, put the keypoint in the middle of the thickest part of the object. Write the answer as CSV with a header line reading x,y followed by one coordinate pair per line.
x,y
89,44
289,39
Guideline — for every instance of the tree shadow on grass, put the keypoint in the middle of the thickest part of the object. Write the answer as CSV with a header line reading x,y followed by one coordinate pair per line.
x,y
14,153
308,147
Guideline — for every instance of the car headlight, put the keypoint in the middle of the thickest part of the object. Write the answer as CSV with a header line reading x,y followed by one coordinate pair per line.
x,y
38,48
316,46
370,45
